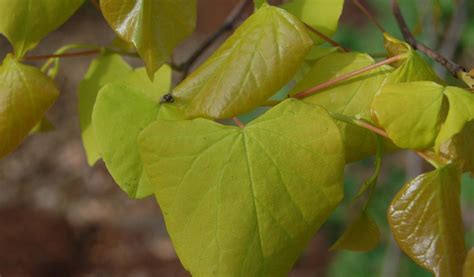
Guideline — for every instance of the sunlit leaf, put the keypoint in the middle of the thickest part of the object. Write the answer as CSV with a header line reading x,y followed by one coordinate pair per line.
x,y
411,113
361,235
253,64
103,70
461,111
25,96
425,218
469,264
239,202
155,27
121,112
352,97
323,15
412,68
26,22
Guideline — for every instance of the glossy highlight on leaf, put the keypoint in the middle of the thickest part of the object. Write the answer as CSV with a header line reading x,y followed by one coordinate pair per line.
x,y
411,113
27,22
425,218
154,27
238,202
122,110
252,65
25,96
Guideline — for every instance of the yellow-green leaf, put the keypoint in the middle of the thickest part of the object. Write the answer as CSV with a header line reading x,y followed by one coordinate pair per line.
x,y
103,70
259,3
154,27
25,96
361,235
27,22
461,111
323,15
122,110
352,97
239,202
425,218
253,64
411,113
469,264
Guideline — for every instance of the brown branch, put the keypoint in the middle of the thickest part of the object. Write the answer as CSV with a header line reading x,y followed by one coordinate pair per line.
x,y
64,55
365,11
453,68
226,27
238,122
313,90
326,38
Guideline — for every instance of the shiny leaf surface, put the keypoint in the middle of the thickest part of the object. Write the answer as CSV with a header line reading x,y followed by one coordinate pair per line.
x,y
253,64
154,27
425,218
254,212
25,96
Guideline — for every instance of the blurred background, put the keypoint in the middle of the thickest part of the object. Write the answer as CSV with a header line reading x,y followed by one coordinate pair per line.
x,y
60,217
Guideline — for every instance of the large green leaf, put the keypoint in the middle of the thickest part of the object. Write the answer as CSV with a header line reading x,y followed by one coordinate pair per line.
x,y
25,96
461,147
240,202
412,68
411,113
425,218
155,27
352,97
461,111
323,15
122,110
253,64
103,70
26,22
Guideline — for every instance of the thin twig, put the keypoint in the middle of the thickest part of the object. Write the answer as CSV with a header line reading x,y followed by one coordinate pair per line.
x,y
63,55
238,122
365,11
452,67
226,27
346,76
326,38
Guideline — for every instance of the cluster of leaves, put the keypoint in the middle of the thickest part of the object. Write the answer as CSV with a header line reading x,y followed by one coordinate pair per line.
x,y
245,200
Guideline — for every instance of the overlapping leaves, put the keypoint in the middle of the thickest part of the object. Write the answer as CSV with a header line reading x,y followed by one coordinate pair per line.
x,y
239,201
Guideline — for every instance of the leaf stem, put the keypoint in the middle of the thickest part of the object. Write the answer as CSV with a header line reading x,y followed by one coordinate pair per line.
x,y
326,38
365,11
238,122
63,55
317,88
454,69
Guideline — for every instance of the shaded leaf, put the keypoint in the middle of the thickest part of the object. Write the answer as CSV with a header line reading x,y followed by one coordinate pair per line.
x,y
253,64
121,112
469,264
254,212
323,15
461,147
425,218
461,111
25,96
155,27
411,113
43,126
26,22
103,70
361,235
352,97
259,3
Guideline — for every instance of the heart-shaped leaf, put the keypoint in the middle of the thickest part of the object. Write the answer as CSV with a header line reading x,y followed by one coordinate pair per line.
x,y
323,15
239,202
411,113
253,64
26,22
425,218
154,27
103,70
352,97
25,96
122,110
